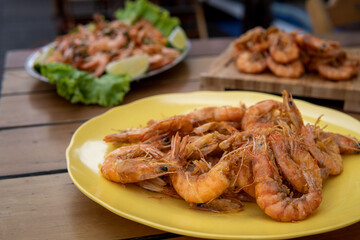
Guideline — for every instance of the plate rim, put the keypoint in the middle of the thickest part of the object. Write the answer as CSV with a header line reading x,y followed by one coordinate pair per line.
x,y
30,63
186,232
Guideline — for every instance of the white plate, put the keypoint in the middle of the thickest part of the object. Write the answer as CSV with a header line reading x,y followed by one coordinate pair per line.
x,y
31,61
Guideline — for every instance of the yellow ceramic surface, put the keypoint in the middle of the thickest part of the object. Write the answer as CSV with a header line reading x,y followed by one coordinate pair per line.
x,y
341,194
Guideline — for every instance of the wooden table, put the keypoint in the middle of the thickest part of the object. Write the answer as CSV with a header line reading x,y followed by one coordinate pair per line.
x,y
37,198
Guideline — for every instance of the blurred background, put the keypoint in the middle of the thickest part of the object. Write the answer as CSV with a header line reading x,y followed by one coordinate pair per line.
x,y
30,24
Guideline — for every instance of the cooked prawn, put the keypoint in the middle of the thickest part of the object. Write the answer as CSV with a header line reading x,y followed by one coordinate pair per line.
x,y
253,40
245,179
200,188
318,47
292,70
261,114
159,128
158,60
338,70
324,149
290,170
347,144
236,140
221,127
97,63
210,114
272,195
107,44
283,48
136,163
293,114
326,153
204,145
251,62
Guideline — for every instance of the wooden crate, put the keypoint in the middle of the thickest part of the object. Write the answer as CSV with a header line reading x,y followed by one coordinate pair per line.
x,y
223,75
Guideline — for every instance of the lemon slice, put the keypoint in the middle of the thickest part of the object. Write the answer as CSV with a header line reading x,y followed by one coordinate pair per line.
x,y
45,54
177,38
135,65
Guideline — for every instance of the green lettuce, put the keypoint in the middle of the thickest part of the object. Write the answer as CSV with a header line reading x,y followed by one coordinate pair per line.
x,y
160,17
81,87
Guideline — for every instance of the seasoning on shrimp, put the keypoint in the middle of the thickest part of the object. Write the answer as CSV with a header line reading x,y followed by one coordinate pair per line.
x,y
215,157
92,49
289,55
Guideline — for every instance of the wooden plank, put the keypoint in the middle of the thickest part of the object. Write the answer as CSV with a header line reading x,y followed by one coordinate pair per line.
x,y
48,108
44,108
209,47
51,207
17,58
35,149
17,81
223,74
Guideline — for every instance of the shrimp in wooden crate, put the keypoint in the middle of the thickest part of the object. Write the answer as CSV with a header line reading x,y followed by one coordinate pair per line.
x,y
291,54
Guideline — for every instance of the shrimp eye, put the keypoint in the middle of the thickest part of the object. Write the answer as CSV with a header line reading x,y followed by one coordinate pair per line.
x,y
164,168
166,139
260,143
199,204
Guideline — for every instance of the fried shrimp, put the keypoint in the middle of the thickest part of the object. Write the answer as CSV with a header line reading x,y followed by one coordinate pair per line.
x,y
288,167
200,188
338,70
272,195
318,47
290,54
91,49
135,163
262,114
283,48
245,179
210,114
204,145
251,62
96,63
221,127
215,157
347,144
324,149
291,70
159,128
253,40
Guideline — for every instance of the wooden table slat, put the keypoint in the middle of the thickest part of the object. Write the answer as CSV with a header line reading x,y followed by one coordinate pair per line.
x,y
51,207
41,148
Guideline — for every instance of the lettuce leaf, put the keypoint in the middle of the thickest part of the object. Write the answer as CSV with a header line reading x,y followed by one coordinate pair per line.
x,y
160,17
81,87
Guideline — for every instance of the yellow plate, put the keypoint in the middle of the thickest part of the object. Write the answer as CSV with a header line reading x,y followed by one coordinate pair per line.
x,y
340,206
